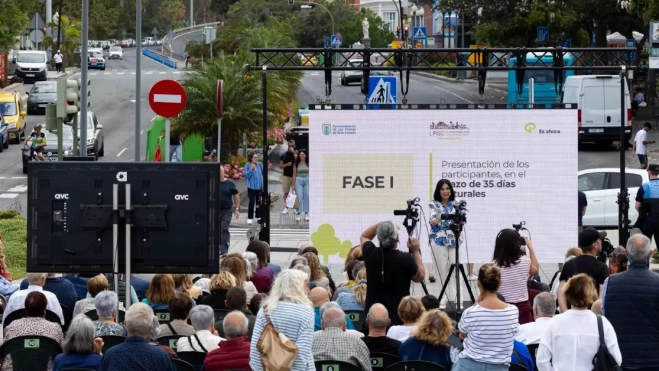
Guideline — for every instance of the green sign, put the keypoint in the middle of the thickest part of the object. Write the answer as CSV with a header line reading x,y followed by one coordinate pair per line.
x,y
654,52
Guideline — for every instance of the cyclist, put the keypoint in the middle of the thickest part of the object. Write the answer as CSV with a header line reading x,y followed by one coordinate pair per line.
x,y
38,141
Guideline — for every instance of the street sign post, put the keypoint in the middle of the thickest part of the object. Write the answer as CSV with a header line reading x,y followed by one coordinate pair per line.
x,y
631,43
382,90
326,41
219,101
335,41
154,32
543,34
566,43
167,98
419,33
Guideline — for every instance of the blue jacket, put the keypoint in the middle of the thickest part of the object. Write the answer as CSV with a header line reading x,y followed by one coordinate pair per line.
x,y
317,326
631,301
254,178
415,350
347,301
524,354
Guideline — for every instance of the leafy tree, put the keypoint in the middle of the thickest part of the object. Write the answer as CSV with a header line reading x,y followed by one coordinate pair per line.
x,y
72,31
221,6
171,11
13,20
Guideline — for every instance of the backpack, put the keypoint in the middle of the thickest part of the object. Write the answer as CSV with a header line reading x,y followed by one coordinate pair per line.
x,y
278,352
603,360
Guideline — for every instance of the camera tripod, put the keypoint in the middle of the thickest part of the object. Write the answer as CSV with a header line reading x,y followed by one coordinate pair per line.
x,y
456,228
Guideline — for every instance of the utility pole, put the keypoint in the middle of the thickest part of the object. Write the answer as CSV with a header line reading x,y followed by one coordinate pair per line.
x,y
191,13
138,77
84,55
49,17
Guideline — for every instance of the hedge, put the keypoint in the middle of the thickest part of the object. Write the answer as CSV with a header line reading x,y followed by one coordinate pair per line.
x,y
13,230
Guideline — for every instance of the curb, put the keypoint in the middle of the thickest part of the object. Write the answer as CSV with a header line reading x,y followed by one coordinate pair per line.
x,y
495,85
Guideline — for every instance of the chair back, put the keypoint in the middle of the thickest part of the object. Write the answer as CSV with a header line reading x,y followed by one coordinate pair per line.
x,y
111,340
382,360
533,350
94,316
183,365
196,359
220,314
169,341
3,300
517,367
164,316
68,317
357,317
415,366
335,366
30,352
52,317
13,316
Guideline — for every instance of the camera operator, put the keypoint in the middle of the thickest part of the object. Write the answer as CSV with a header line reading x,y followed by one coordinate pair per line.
x,y
647,204
389,272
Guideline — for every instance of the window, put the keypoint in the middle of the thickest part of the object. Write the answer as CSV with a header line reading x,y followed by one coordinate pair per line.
x,y
8,109
418,21
591,182
631,180
390,19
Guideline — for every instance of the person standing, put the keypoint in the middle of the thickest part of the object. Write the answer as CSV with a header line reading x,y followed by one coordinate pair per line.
x,y
287,163
583,205
229,205
647,204
301,183
640,140
254,177
58,57
176,146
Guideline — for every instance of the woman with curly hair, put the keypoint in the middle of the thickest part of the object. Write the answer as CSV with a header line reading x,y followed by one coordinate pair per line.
x,y
428,341
318,277
220,284
236,265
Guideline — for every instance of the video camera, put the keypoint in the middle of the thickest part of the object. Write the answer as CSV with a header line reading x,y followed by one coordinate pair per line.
x,y
460,216
411,214
520,227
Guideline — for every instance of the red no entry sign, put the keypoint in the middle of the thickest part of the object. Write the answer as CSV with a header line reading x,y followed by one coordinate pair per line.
x,y
167,98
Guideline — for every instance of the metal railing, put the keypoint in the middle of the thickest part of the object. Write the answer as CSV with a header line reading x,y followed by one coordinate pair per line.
x,y
166,48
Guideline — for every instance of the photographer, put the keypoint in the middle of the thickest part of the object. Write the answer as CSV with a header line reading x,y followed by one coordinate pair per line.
x,y
389,272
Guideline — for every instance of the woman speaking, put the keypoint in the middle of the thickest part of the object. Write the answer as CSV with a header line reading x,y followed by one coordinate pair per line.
x,y
442,238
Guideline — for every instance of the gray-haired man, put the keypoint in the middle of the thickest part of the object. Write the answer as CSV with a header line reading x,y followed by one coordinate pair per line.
x,y
544,308
334,344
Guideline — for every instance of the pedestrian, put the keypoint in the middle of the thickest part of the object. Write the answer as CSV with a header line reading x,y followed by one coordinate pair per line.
x,y
187,60
229,205
286,163
58,57
254,177
647,204
301,183
639,147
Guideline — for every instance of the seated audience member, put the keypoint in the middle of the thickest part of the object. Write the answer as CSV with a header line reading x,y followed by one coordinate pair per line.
x,y
430,302
140,286
333,344
79,284
106,309
4,271
520,354
352,268
318,277
377,340
307,271
237,302
179,308
35,324
260,281
410,311
95,285
36,283
6,287
136,352
325,268
630,302
488,328
220,284
544,308
259,248
356,299
183,284
319,297
203,282
571,340
122,287
299,260
236,265
205,339
233,353
82,349
161,290
428,341
153,336
618,260
61,287
255,305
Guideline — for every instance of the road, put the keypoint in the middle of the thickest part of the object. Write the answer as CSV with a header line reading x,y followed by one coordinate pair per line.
x,y
180,40
113,101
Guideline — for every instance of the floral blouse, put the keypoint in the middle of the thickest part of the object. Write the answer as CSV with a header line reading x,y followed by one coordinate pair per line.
x,y
441,234
104,329
31,326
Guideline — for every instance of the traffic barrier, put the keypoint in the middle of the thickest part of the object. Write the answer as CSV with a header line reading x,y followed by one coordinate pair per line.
x,y
159,58
166,44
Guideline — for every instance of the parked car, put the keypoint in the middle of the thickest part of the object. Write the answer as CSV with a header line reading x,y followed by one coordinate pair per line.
x,y
13,112
601,187
4,134
32,65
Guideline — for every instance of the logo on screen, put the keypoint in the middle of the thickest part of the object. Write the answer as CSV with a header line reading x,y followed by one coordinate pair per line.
x,y
529,128
448,131
122,176
327,129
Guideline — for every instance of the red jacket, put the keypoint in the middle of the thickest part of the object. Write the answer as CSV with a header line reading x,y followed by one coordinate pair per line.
x,y
231,355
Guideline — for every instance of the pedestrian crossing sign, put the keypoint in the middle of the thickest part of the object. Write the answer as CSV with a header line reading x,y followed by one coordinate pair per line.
x,y
382,90
419,33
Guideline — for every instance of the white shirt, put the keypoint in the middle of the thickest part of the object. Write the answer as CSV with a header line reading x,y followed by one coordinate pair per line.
x,y
58,58
531,333
400,333
490,333
208,340
641,136
250,290
572,340
17,301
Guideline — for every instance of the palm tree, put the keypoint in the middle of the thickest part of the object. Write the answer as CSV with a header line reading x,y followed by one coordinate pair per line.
x,y
72,36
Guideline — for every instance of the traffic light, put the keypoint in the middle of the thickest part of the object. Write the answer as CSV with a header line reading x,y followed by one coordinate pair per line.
x,y
406,31
68,98
397,31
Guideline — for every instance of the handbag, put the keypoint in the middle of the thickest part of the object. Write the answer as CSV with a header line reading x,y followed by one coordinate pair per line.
x,y
157,156
277,351
291,199
603,360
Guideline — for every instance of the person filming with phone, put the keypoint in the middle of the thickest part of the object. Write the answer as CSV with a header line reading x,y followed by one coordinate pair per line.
x,y
389,272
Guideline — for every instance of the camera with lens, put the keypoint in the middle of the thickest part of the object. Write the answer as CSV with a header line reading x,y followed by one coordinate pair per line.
x,y
411,214
520,227
607,250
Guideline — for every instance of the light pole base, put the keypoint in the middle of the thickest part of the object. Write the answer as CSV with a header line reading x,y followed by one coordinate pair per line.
x,y
367,42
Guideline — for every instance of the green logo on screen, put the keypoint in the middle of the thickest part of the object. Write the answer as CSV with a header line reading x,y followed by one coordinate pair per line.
x,y
529,128
327,129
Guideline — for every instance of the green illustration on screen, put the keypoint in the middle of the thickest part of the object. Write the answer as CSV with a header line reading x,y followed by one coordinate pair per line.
x,y
325,240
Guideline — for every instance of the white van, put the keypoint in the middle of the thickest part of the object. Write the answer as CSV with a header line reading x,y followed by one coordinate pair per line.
x,y
32,65
598,101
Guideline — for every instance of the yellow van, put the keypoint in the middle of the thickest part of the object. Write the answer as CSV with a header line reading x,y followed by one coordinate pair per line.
x,y
11,108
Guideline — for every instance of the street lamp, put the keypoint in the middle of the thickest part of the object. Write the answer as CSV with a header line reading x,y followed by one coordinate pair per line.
x,y
310,6
414,10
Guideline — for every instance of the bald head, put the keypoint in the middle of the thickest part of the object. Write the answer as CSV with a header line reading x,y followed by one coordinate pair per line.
x,y
235,325
318,296
378,317
334,317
